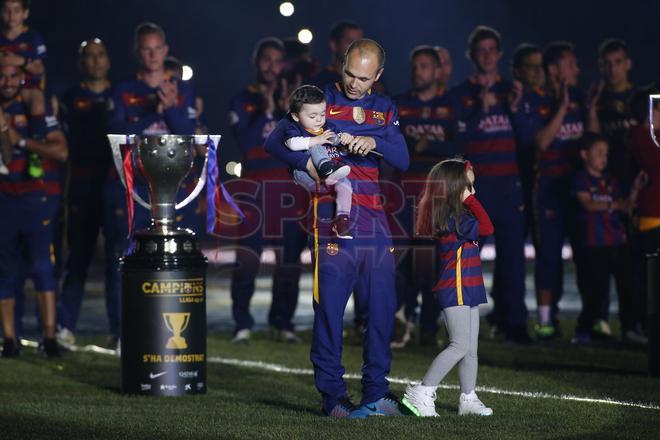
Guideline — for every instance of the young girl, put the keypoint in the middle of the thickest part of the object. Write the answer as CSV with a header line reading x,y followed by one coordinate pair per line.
x,y
449,211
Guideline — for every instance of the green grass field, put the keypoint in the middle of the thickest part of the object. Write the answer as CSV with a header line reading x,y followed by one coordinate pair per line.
x,y
77,397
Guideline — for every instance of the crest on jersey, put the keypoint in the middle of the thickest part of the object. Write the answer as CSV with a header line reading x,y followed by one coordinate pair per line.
x,y
379,117
425,112
442,112
358,115
332,249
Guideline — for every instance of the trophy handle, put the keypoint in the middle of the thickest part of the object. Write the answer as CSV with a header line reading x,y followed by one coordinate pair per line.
x,y
116,141
199,140
651,127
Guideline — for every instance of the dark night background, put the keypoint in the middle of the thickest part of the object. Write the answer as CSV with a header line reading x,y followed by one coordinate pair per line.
x,y
216,37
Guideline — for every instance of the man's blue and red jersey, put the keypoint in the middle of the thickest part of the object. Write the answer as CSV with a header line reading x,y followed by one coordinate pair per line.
x,y
52,178
616,119
251,126
460,281
488,138
429,121
18,181
601,228
134,109
373,115
84,114
538,108
28,44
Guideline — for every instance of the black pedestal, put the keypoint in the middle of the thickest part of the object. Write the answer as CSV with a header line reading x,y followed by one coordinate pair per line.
x,y
163,330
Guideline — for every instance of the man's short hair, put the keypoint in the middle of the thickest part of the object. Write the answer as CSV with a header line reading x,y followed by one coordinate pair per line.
x,y
427,50
612,45
555,51
364,45
147,28
338,29
481,33
589,139
306,94
265,43
86,43
24,3
522,52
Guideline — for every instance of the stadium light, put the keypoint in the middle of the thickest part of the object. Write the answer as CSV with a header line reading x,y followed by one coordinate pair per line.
x,y
305,36
187,73
287,9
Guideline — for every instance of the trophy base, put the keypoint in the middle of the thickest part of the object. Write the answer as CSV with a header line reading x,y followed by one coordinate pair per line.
x,y
164,276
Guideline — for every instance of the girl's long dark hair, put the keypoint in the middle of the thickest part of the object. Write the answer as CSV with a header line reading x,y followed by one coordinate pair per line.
x,y
442,198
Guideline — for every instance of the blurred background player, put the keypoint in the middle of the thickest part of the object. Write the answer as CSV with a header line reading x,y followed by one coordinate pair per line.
x,y
527,69
84,114
253,115
26,219
483,115
20,46
605,250
426,122
556,117
445,67
342,35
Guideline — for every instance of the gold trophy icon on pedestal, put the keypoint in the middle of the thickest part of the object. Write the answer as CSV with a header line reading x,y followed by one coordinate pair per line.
x,y
176,323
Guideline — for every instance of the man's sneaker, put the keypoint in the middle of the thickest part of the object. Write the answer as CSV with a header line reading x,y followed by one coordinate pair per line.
x,y
65,338
341,410
341,227
289,336
470,404
242,337
581,338
385,406
50,348
333,172
545,332
420,400
10,348
633,337
601,330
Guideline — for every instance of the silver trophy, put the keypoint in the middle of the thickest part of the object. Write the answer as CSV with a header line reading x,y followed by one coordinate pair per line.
x,y
651,127
164,161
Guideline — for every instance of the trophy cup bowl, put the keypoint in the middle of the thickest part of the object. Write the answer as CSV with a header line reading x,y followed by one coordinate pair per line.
x,y
164,161
176,323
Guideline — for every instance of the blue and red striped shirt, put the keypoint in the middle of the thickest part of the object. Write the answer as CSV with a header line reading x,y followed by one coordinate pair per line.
x,y
251,126
599,228
375,116
431,121
559,159
460,280
488,138
616,120
28,44
18,181
134,109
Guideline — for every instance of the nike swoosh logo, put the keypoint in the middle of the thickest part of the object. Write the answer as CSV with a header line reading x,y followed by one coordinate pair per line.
x,y
153,376
371,408
333,112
